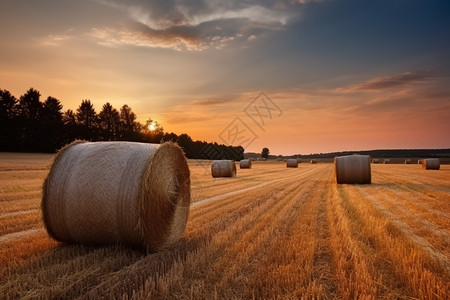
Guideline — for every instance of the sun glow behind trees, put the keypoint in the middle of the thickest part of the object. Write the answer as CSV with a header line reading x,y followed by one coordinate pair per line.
x,y
28,125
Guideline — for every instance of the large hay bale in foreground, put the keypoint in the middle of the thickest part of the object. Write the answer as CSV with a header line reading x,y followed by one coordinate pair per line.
x,y
245,164
223,168
431,164
292,163
117,192
353,169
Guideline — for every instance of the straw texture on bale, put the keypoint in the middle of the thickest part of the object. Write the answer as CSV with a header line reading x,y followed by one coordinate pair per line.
x,y
292,163
105,193
223,168
431,164
245,164
353,169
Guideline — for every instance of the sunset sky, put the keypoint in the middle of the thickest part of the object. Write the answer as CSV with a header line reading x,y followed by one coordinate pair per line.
x,y
335,74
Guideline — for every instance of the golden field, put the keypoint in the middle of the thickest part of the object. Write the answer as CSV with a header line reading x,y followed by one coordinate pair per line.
x,y
270,233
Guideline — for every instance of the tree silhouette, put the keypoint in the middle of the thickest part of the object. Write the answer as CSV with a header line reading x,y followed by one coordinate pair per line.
x,y
30,105
51,114
109,121
86,115
87,120
69,118
265,153
72,130
128,124
9,126
28,124
8,105
52,124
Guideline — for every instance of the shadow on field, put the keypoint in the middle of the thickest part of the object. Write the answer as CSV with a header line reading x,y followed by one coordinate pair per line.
x,y
72,271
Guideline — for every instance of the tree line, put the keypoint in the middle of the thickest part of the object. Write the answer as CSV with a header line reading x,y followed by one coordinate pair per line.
x,y
28,124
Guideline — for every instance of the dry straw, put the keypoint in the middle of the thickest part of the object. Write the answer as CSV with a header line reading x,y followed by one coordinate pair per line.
x,y
223,168
292,163
117,192
245,164
353,169
431,164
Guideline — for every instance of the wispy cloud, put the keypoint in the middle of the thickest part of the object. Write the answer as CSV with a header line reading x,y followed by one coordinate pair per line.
x,y
386,82
191,25
147,37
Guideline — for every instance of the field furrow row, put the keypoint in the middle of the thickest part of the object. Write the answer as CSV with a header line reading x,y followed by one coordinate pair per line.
x,y
271,232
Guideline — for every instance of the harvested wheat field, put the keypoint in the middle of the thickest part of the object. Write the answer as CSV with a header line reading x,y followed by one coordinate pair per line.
x,y
272,232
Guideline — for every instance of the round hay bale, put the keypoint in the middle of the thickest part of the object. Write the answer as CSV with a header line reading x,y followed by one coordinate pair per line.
x,y
105,193
353,169
431,164
419,162
376,161
387,161
407,161
292,163
314,161
223,168
245,164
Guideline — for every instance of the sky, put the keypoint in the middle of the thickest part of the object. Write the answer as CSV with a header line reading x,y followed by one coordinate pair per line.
x,y
296,76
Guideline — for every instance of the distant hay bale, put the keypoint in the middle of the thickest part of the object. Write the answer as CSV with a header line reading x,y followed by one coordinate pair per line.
x,y
376,161
245,164
353,169
292,163
105,193
299,160
419,162
223,168
387,161
407,161
431,164
314,161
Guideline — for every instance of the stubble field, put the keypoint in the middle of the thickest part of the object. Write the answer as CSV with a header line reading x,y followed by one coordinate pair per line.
x,y
272,233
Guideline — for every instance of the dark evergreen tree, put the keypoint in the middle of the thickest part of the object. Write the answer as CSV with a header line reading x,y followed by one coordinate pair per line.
x,y
109,121
87,119
9,125
72,130
31,132
52,124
